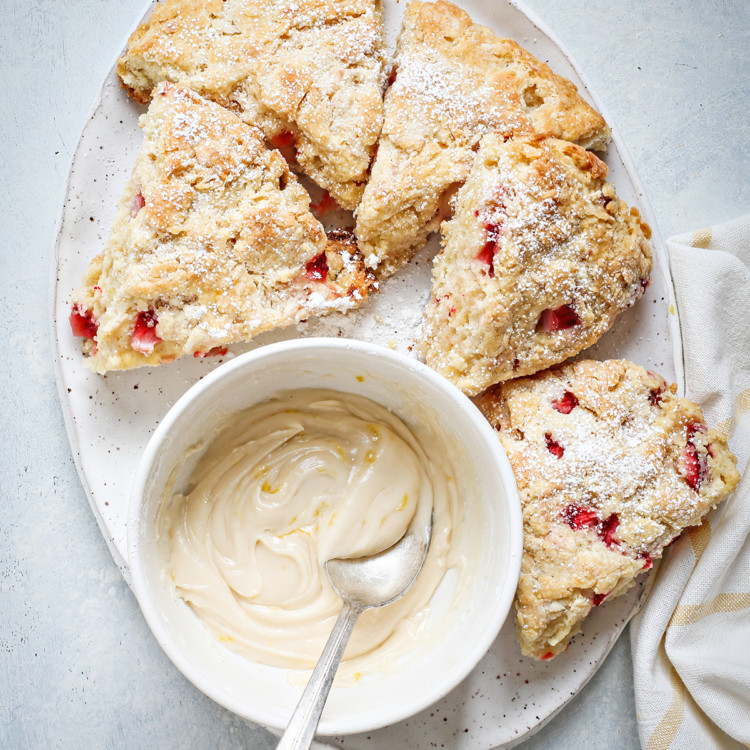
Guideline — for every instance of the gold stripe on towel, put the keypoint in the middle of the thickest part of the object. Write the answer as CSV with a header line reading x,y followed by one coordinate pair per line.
x,y
702,238
741,405
687,614
699,538
724,428
666,730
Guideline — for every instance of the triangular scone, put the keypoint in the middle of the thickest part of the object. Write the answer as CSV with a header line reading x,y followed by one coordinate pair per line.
x,y
610,466
310,74
212,243
454,82
537,261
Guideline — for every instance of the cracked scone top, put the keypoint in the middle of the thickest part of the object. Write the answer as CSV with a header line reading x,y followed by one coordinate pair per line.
x,y
454,81
213,243
610,466
310,74
538,260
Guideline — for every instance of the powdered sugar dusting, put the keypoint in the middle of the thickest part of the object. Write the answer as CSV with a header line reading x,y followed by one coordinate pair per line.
x,y
621,451
534,267
218,251
282,66
601,484
441,90
318,303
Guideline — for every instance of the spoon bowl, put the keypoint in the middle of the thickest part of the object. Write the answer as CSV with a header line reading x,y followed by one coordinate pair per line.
x,y
362,583
382,578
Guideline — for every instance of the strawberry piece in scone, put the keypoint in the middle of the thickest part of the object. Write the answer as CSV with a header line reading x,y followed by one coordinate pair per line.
x,y
608,477
144,337
82,323
213,243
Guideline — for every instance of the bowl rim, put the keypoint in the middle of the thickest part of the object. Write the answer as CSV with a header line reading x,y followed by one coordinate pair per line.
x,y
418,371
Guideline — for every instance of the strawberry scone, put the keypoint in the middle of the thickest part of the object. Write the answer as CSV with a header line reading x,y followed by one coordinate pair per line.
x,y
454,81
213,243
611,466
310,74
537,261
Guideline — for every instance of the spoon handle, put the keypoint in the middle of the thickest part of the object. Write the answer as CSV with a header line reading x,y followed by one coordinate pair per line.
x,y
301,728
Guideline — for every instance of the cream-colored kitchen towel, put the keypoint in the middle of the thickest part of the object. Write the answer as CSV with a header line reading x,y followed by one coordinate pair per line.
x,y
691,642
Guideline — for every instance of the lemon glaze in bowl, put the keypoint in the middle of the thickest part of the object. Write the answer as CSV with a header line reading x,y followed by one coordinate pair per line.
x,y
466,615
302,478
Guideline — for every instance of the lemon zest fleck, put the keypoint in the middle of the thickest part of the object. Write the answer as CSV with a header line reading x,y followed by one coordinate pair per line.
x,y
261,471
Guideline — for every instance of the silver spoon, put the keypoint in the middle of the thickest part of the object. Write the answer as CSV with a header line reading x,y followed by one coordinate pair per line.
x,y
362,583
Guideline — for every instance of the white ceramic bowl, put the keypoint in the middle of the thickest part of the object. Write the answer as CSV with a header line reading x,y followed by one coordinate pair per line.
x,y
411,390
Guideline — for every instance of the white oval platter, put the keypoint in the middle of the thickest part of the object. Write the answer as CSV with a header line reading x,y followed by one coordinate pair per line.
x,y
110,418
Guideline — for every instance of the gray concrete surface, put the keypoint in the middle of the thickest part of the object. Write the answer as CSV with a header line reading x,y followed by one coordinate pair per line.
x,y
78,665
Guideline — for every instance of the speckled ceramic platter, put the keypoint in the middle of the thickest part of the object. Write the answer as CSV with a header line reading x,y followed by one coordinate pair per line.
x,y
110,418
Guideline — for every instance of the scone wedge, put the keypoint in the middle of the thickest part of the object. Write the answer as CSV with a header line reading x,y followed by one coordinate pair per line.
x,y
454,81
213,243
611,466
538,259
310,74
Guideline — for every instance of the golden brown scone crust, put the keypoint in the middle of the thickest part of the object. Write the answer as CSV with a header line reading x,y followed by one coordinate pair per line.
x,y
537,261
455,81
213,243
610,466
311,72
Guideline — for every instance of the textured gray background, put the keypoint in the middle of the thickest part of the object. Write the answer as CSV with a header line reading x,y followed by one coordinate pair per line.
x,y
78,666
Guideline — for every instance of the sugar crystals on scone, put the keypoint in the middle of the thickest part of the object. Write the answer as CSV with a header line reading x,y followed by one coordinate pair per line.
x,y
537,261
213,243
309,74
454,81
611,466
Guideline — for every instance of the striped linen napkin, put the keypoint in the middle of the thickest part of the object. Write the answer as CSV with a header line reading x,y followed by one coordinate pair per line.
x,y
691,641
